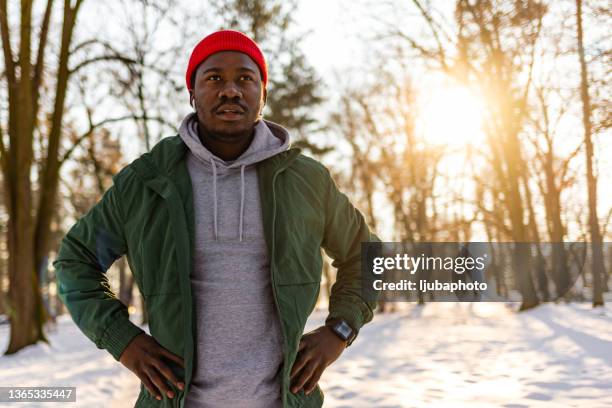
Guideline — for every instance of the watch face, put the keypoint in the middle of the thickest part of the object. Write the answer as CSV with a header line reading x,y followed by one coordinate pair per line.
x,y
344,329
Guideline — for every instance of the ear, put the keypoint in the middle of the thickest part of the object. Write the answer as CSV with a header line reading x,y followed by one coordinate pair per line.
x,y
191,98
265,97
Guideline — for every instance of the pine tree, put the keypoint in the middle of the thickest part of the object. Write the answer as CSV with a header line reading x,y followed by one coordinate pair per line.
x,y
293,86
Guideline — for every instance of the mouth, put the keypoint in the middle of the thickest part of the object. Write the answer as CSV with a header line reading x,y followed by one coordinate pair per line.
x,y
230,112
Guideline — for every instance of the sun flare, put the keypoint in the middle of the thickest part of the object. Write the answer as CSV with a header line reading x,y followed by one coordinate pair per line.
x,y
451,115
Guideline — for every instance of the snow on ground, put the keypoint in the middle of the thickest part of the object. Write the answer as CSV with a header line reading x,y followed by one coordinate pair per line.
x,y
439,355
479,355
70,360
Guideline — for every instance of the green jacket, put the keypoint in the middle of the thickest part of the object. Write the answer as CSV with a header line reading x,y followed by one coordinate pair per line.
x,y
148,215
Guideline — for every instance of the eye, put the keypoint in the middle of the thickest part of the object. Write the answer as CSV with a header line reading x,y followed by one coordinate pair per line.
x,y
246,78
214,77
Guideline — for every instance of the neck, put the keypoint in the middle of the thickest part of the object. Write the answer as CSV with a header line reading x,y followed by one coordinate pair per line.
x,y
220,146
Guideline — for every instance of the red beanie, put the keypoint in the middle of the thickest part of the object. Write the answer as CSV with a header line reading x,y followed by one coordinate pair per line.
x,y
226,40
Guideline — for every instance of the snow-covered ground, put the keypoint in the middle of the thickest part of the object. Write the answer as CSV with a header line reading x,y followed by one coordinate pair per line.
x,y
441,355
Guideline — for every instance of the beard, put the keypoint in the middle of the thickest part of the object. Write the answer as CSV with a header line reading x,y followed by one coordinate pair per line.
x,y
209,126
225,134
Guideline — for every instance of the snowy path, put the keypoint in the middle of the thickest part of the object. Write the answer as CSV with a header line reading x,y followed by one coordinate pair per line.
x,y
440,355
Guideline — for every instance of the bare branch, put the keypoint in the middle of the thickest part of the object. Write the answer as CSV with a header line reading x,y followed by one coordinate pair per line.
x,y
40,55
606,223
435,29
25,42
9,62
2,154
93,127
429,54
115,57
565,165
83,44
530,70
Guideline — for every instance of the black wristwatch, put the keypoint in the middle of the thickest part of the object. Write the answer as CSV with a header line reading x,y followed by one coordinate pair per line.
x,y
342,330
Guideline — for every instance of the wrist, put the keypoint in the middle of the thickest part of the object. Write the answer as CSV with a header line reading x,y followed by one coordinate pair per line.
x,y
341,329
338,338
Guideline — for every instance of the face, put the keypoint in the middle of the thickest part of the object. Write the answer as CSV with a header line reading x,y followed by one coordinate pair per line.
x,y
228,95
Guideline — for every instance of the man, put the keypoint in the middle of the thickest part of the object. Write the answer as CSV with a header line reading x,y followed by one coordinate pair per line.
x,y
223,227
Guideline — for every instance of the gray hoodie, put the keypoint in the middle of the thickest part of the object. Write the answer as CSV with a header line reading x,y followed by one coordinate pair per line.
x,y
238,337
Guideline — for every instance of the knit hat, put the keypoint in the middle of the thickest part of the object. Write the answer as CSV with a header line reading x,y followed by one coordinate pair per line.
x,y
226,40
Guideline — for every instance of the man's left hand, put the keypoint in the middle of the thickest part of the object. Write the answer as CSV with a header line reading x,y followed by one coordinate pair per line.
x,y
317,350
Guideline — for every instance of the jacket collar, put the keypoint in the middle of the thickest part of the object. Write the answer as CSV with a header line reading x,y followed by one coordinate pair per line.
x,y
166,160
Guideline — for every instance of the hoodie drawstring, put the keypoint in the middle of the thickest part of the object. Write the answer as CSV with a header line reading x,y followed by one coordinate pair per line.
x,y
269,139
241,199
214,170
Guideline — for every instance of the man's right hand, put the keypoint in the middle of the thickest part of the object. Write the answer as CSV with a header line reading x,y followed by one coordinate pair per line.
x,y
143,356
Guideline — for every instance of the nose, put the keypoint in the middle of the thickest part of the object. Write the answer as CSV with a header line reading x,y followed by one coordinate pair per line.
x,y
230,90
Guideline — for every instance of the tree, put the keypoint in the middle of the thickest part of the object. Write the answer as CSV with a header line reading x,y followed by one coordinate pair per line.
x,y
151,81
553,176
293,87
31,143
597,260
490,48
3,252
377,122
28,224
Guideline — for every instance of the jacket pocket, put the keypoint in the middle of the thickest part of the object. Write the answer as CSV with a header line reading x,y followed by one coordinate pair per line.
x,y
160,273
305,297
301,263
158,251
166,321
152,285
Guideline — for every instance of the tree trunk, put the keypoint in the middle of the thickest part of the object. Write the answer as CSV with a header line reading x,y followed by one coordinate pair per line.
x,y
145,314
26,312
597,263
25,304
28,226
126,283
540,264
521,259
328,279
552,206
58,305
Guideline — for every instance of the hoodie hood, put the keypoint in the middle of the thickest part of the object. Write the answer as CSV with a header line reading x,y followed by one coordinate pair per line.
x,y
269,139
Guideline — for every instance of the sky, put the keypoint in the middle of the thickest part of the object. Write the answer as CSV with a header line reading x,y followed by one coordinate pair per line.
x,y
333,41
